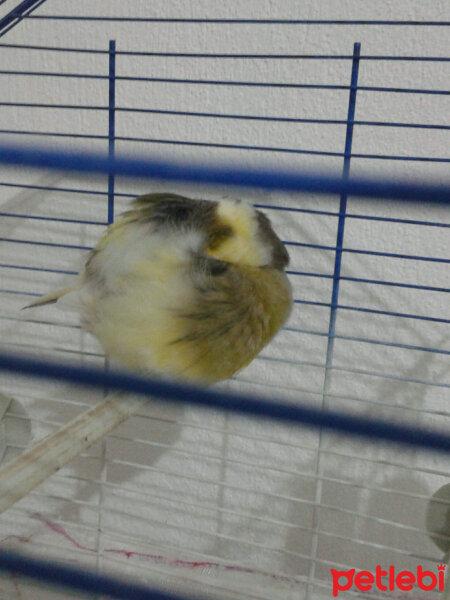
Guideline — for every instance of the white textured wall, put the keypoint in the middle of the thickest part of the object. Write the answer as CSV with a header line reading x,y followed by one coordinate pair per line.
x,y
199,487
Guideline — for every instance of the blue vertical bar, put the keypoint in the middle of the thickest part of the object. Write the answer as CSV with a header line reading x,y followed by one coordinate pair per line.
x,y
333,311
111,128
111,144
342,211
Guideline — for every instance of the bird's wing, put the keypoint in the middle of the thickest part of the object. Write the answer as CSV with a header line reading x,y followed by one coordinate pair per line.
x,y
235,312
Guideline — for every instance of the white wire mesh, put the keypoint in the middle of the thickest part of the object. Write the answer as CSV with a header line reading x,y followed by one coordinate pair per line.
x,y
200,501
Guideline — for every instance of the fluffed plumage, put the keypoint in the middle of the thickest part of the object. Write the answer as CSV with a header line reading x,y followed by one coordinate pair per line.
x,y
187,288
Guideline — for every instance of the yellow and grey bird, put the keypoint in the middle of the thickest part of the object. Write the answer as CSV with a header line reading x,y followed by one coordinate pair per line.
x,y
187,288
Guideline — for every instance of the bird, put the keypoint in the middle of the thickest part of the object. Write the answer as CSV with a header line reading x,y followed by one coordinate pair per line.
x,y
190,289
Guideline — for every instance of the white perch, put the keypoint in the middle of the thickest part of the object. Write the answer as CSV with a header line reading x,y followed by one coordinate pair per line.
x,y
24,473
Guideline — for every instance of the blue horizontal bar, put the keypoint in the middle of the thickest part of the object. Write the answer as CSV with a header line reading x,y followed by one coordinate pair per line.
x,y
413,286
286,56
54,106
262,178
291,209
369,252
373,311
58,219
394,314
396,220
263,206
278,149
368,340
185,113
400,157
78,579
278,119
349,338
53,189
20,293
249,21
52,48
353,370
390,376
396,255
68,190
368,428
329,213
51,244
42,322
230,146
311,86
54,134
237,146
229,55
53,74
12,266
308,86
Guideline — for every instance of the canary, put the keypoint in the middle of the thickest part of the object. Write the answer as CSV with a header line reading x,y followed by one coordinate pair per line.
x,y
192,289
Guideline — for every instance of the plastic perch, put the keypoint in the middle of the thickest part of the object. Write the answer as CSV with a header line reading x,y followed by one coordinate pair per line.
x,y
24,473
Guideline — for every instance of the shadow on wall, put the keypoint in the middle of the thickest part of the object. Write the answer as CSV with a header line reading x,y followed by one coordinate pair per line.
x,y
371,502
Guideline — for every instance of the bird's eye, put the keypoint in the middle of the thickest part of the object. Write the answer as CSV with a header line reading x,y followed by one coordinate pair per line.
x,y
218,236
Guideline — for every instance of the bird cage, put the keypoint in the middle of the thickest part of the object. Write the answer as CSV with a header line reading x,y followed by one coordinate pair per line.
x,y
193,499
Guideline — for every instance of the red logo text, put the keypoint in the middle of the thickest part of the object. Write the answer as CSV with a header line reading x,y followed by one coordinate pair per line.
x,y
388,579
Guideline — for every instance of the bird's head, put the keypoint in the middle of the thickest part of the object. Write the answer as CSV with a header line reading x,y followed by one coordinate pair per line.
x,y
241,234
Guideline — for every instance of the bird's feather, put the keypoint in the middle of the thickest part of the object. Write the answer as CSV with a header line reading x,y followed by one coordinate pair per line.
x,y
48,298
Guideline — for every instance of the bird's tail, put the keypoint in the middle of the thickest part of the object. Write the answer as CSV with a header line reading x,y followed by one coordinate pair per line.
x,y
49,298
